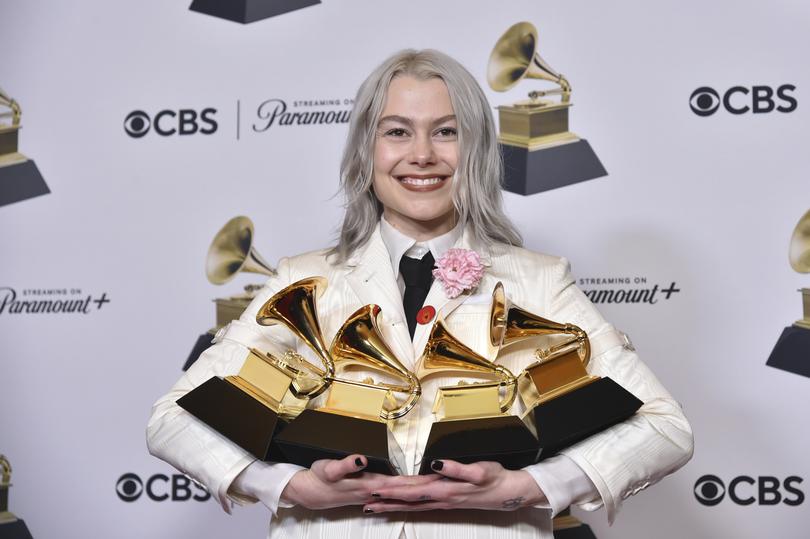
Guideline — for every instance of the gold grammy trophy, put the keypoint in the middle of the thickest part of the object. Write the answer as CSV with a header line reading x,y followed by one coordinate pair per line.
x,y
539,152
472,420
563,401
269,392
19,176
357,414
792,350
11,527
231,252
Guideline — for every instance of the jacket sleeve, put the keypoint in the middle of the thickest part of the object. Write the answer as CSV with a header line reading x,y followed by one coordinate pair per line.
x,y
640,451
189,445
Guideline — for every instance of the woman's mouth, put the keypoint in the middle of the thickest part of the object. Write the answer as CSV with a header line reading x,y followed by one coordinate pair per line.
x,y
422,183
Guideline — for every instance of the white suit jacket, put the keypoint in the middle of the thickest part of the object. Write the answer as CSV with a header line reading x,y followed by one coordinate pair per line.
x,y
620,461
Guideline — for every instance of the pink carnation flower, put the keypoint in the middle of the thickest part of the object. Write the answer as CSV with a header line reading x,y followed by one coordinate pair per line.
x,y
459,270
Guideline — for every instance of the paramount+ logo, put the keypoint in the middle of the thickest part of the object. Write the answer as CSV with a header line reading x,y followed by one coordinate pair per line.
x,y
168,122
160,488
758,99
710,490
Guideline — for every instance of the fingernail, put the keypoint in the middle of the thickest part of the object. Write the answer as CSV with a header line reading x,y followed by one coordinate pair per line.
x,y
367,510
375,495
437,465
358,462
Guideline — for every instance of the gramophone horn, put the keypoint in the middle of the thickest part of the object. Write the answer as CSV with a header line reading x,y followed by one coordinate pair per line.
x,y
359,342
232,251
294,306
515,57
510,324
800,245
444,353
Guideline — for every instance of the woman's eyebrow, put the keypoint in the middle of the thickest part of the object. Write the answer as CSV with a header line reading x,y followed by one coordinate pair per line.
x,y
407,121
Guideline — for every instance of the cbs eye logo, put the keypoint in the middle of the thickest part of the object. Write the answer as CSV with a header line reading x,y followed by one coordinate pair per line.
x,y
744,490
705,101
169,122
159,488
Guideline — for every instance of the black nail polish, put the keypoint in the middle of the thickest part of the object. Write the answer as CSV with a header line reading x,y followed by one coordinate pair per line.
x,y
375,495
358,462
437,465
367,510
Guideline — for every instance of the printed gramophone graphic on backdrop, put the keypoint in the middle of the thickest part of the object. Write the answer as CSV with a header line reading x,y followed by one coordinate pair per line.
x,y
539,152
246,11
792,350
11,526
19,176
230,253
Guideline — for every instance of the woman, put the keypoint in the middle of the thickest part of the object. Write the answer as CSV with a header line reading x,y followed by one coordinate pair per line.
x,y
421,174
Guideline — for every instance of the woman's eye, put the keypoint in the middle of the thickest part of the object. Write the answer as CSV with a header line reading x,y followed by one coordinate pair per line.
x,y
396,132
447,132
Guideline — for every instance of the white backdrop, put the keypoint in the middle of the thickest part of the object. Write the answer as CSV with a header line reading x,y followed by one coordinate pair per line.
x,y
707,203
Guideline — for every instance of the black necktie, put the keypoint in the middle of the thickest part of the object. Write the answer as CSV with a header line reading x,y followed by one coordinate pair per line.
x,y
418,276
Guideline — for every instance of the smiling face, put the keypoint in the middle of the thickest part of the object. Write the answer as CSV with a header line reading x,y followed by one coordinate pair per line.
x,y
415,157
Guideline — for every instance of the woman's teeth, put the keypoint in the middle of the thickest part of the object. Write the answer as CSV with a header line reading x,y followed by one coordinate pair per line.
x,y
421,181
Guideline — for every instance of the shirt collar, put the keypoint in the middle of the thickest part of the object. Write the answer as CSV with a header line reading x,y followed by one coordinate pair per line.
x,y
398,244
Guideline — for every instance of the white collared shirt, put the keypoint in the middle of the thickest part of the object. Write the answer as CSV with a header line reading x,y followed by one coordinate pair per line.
x,y
399,245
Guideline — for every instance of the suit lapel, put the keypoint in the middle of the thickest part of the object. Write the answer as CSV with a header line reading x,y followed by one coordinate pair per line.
x,y
438,298
372,279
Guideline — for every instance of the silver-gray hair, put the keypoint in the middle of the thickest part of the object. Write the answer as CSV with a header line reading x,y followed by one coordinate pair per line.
x,y
477,190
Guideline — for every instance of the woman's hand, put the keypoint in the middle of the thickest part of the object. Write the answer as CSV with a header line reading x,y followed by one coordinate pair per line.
x,y
482,485
334,483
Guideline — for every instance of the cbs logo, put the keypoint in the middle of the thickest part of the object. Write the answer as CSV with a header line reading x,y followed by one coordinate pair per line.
x,y
744,490
705,101
169,122
159,488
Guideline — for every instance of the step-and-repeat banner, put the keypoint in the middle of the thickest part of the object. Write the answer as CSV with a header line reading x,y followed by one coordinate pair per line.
x,y
133,131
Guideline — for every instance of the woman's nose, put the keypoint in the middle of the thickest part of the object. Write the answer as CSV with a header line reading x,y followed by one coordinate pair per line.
x,y
422,151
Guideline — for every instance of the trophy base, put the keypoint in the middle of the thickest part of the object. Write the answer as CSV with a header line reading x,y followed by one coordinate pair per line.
x,y
529,172
246,11
316,435
237,416
21,181
792,351
583,531
16,529
504,439
202,344
569,418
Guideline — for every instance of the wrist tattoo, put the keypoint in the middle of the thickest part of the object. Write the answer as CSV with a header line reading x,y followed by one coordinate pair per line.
x,y
425,498
512,503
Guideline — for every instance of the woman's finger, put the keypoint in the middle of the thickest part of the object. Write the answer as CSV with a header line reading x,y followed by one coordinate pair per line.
x,y
476,473
335,470
385,507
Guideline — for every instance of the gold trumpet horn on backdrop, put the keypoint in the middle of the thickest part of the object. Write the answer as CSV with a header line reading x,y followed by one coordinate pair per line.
x,y
360,343
515,57
232,251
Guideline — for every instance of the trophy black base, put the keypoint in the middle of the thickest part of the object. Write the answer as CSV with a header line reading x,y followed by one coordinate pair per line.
x,y
503,439
577,532
316,435
21,181
530,172
569,418
202,344
15,529
236,415
792,351
246,11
